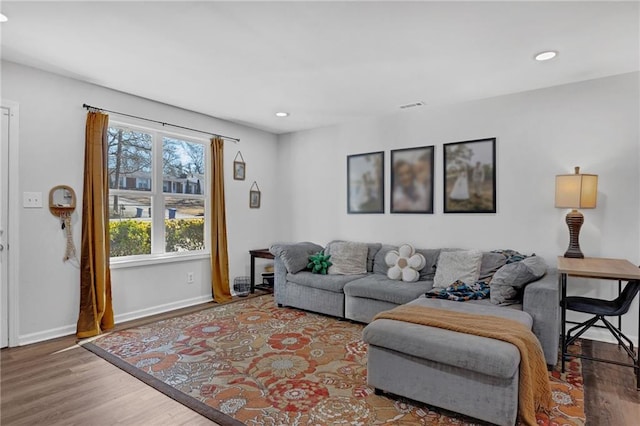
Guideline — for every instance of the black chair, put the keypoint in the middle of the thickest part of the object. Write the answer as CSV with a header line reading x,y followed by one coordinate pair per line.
x,y
601,309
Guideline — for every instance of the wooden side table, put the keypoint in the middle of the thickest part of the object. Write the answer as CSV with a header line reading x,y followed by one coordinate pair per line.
x,y
263,254
598,268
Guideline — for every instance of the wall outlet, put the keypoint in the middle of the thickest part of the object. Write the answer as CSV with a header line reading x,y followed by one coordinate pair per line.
x,y
32,200
190,279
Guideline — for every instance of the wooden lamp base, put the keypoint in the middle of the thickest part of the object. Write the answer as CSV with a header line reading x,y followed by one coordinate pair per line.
x,y
574,219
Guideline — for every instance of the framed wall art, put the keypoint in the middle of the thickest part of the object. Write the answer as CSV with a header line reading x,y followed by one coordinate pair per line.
x,y
239,167
412,180
470,176
254,196
365,183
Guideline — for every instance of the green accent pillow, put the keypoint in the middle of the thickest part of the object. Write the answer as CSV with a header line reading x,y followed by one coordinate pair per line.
x,y
319,263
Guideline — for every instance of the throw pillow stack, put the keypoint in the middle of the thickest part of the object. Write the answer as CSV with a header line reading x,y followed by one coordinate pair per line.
x,y
509,281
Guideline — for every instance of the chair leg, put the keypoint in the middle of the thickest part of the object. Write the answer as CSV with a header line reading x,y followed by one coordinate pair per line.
x,y
617,334
585,326
618,331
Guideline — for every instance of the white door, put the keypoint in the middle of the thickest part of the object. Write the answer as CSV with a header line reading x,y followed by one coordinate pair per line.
x,y
4,201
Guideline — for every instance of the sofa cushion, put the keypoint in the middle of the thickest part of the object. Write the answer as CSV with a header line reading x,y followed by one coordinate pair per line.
x,y
379,287
295,256
491,357
334,283
508,282
372,250
491,262
348,258
431,257
460,265
379,263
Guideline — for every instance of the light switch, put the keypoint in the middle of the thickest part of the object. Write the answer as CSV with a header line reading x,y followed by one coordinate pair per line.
x,y
32,200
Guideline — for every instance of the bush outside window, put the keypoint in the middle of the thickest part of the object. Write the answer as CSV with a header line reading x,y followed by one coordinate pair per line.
x,y
157,192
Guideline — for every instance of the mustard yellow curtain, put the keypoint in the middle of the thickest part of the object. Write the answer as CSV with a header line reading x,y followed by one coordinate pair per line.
x,y
219,254
96,311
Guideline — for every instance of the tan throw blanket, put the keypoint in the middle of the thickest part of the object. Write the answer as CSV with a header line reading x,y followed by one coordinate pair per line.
x,y
535,391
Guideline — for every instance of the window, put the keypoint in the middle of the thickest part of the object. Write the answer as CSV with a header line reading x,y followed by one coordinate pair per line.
x,y
156,192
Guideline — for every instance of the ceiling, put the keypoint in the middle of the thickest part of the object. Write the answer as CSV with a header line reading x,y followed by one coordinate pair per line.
x,y
323,62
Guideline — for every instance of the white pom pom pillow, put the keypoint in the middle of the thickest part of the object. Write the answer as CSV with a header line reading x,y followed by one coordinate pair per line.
x,y
404,264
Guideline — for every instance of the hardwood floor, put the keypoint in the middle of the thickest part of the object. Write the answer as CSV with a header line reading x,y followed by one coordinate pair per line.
x,y
59,383
610,396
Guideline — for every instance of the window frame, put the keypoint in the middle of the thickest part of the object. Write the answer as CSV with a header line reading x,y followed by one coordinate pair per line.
x,y
157,198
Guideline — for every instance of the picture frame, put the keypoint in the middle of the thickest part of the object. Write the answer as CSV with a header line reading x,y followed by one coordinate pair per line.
x,y
365,183
239,167
254,196
412,177
254,199
470,176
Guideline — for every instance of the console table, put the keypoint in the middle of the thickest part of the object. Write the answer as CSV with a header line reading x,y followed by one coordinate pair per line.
x,y
598,268
263,254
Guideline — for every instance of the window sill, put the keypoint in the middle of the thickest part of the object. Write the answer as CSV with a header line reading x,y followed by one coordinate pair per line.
x,y
156,259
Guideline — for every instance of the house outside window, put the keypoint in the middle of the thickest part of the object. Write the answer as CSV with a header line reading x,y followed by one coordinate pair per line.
x,y
157,192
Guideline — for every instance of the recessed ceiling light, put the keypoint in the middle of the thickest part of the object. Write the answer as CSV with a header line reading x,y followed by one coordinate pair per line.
x,y
546,55
282,114
3,18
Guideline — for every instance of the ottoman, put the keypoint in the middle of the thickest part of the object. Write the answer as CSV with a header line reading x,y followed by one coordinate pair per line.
x,y
468,374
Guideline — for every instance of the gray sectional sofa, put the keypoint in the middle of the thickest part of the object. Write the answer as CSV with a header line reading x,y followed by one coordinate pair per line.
x,y
360,297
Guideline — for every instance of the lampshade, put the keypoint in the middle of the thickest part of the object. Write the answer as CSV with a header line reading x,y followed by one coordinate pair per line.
x,y
576,191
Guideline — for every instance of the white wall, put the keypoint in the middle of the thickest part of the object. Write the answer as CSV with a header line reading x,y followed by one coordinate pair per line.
x,y
542,133
51,152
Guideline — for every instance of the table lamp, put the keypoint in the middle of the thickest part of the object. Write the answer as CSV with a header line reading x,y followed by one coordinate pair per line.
x,y
576,191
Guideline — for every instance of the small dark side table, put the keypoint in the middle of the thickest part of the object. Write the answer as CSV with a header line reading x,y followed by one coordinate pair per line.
x,y
263,254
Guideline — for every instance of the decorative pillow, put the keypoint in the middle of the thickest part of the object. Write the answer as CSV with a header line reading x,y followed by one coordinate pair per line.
x,y
379,264
491,262
319,263
462,265
404,263
431,256
371,253
295,256
509,281
348,258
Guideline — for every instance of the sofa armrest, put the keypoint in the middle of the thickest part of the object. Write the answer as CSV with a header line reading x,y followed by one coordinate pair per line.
x,y
289,257
542,301
279,279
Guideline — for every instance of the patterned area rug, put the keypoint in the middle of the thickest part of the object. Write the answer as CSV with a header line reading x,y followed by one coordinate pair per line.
x,y
253,363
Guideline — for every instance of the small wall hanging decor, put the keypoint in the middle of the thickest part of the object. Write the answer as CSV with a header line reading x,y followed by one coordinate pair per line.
x,y
254,196
62,203
365,183
470,176
239,167
412,180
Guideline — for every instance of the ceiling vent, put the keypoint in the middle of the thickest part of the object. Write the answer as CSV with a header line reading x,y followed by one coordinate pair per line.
x,y
412,105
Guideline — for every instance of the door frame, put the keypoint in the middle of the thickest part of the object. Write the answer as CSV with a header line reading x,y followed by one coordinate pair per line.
x,y
13,218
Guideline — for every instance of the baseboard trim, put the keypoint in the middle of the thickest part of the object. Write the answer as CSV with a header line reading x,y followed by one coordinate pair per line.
x,y
41,336
160,309
67,330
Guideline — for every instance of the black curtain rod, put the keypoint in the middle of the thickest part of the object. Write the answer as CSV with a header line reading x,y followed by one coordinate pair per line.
x,y
88,107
